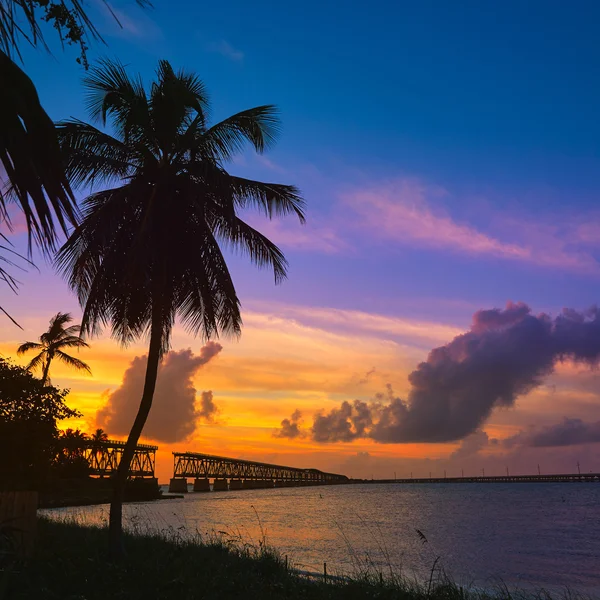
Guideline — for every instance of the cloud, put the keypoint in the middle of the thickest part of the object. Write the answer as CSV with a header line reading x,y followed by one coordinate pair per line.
x,y
310,237
412,213
401,211
367,375
473,444
343,424
290,428
174,413
506,354
225,49
570,432
208,409
420,333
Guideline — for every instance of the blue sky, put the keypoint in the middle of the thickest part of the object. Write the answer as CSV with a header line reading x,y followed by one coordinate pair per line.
x,y
449,153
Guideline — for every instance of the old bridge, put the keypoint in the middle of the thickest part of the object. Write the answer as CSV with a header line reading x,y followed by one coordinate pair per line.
x,y
104,457
237,474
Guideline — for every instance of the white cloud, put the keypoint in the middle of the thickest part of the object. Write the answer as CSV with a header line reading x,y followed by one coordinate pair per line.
x,y
224,48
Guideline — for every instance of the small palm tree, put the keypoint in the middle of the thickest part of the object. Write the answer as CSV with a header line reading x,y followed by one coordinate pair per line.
x,y
99,436
149,246
52,345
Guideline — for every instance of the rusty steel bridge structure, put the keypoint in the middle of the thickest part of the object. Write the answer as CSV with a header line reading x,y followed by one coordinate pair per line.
x,y
234,473
104,457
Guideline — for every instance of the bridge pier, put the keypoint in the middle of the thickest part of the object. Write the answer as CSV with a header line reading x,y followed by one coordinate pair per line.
x,y
178,485
220,485
201,484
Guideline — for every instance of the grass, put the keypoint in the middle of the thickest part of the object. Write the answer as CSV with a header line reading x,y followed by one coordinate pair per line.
x,y
71,563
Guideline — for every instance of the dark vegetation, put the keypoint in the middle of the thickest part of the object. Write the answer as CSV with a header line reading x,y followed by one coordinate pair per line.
x,y
71,563
29,434
36,455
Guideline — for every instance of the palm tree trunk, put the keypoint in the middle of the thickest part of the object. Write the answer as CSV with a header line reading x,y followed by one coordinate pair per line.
x,y
46,369
115,526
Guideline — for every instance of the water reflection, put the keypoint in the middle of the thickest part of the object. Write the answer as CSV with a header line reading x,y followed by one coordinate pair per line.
x,y
541,535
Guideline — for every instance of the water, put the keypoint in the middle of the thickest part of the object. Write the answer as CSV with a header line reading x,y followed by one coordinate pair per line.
x,y
526,535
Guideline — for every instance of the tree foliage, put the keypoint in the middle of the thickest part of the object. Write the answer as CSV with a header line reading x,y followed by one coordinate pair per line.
x,y
29,412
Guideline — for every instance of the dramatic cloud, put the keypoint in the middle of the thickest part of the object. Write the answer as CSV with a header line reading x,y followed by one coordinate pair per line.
x,y
343,424
290,428
570,432
175,412
506,354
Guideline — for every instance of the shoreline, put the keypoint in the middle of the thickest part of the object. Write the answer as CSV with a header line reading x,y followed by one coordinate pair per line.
x,y
72,503
71,561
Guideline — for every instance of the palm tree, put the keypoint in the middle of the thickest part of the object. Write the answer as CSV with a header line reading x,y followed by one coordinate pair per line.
x,y
149,247
99,436
73,442
31,171
52,344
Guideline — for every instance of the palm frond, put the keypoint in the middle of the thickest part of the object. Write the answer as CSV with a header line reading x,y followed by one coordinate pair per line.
x,y
27,346
57,326
241,237
174,100
30,155
72,342
37,361
259,126
274,199
111,93
72,330
92,156
71,361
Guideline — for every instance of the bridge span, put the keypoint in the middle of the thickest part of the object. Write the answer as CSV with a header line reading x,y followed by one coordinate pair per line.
x,y
550,478
237,474
104,457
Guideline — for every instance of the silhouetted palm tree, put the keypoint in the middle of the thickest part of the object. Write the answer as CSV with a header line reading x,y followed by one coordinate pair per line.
x,y
31,171
73,442
52,345
99,436
149,249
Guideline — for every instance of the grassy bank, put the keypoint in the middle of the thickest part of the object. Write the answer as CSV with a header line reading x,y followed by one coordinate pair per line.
x,y
70,563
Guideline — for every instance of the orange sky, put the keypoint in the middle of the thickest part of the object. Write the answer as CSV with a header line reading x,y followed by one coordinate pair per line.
x,y
292,358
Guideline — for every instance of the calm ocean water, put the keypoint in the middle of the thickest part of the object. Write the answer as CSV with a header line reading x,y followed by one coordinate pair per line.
x,y
527,535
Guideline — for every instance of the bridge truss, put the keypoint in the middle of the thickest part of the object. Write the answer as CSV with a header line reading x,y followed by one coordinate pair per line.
x,y
104,458
191,464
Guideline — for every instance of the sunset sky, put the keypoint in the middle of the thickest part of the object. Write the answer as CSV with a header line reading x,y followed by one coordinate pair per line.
x,y
450,160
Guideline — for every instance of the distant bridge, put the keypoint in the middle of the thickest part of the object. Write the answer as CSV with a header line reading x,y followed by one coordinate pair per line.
x,y
557,478
237,474
104,457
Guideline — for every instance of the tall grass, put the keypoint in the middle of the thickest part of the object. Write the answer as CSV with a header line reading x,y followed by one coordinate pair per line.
x,y
71,563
